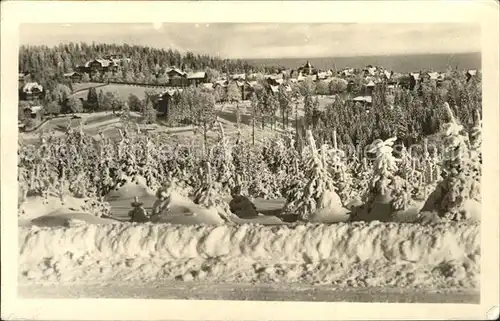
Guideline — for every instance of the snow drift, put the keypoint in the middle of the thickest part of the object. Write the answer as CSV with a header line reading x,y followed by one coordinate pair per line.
x,y
131,187
320,253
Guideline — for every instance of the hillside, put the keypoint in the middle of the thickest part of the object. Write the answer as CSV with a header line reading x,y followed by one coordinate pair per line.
x,y
47,65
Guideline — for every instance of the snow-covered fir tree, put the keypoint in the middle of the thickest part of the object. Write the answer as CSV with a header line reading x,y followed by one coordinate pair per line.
x,y
318,191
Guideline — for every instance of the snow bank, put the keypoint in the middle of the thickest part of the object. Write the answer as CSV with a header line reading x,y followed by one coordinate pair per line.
x,y
36,206
190,215
185,212
61,218
316,253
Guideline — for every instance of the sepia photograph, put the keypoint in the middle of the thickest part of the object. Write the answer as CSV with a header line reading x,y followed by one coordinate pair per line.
x,y
250,161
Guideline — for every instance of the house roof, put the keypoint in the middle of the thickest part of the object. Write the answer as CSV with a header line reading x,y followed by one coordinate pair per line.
x,y
322,75
34,109
171,91
472,72
104,62
239,76
275,89
175,69
196,75
222,83
433,75
69,74
415,75
208,86
367,99
29,87
370,84
371,70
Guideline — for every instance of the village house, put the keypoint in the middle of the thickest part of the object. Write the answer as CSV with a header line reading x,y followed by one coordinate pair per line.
x,y
414,80
165,100
99,65
34,112
221,83
117,59
321,75
179,78
388,75
102,65
31,91
176,77
73,76
274,80
22,80
363,100
470,74
307,69
241,77
346,72
196,78
207,86
369,87
247,89
370,70
23,76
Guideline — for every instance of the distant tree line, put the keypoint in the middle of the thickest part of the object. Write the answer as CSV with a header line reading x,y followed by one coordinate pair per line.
x,y
47,65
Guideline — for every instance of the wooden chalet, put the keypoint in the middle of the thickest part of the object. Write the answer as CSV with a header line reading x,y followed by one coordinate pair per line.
x,y
369,87
274,80
196,78
99,66
34,112
164,101
31,91
73,76
176,77
247,89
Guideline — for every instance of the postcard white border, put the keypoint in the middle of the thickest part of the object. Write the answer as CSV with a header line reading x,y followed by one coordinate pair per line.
x,y
14,13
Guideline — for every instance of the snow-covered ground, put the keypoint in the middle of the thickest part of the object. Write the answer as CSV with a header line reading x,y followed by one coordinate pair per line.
x,y
62,247
241,291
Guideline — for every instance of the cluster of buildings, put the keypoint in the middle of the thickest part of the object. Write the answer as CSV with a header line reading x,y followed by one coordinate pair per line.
x,y
179,78
109,63
371,77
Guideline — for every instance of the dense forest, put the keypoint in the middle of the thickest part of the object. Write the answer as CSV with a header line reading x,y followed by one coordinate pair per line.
x,y
47,65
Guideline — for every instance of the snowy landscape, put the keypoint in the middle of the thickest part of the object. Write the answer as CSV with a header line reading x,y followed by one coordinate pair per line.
x,y
144,172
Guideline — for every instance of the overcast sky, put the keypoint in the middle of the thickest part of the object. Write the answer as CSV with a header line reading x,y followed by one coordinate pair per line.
x,y
269,40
